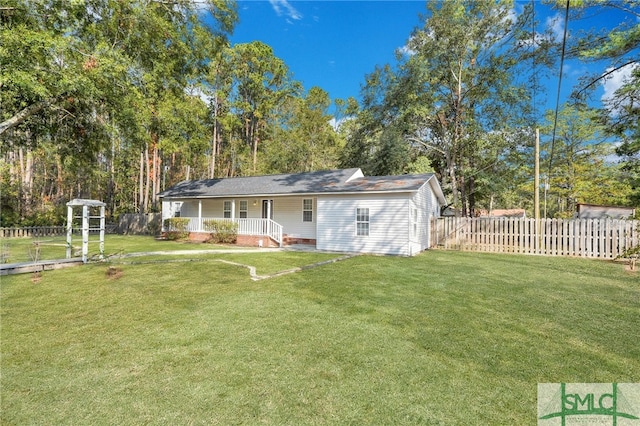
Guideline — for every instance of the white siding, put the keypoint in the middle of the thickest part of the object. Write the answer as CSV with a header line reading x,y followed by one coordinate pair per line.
x,y
388,229
169,209
391,215
287,211
427,205
215,207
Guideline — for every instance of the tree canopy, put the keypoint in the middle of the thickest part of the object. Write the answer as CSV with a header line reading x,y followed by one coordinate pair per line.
x,y
118,100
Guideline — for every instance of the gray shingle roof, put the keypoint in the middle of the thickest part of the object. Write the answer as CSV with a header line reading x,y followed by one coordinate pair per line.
x,y
331,181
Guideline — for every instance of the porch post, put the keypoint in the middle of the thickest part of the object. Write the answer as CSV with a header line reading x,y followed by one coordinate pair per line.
x,y
233,210
199,215
269,217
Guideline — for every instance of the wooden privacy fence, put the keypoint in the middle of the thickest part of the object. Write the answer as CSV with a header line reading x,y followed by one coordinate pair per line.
x,y
596,238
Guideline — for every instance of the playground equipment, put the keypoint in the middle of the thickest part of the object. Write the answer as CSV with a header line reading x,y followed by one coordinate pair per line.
x,y
92,221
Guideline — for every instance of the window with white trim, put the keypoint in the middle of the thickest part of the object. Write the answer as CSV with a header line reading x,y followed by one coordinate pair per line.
x,y
362,221
307,210
226,211
244,208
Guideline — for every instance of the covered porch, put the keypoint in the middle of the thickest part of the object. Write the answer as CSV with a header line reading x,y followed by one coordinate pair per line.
x,y
254,227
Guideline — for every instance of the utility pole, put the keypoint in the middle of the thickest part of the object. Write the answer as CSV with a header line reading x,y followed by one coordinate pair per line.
x,y
536,178
536,194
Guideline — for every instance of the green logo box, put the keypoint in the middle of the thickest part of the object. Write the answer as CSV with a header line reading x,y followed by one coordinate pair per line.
x,y
589,404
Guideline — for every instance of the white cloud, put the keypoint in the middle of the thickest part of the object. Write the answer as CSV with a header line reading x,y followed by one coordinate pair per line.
x,y
406,51
337,123
615,80
512,16
556,25
283,7
199,93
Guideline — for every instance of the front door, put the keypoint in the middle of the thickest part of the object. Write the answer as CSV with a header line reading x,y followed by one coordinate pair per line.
x,y
267,209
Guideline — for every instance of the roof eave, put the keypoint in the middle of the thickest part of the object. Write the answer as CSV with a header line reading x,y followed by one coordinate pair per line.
x,y
288,194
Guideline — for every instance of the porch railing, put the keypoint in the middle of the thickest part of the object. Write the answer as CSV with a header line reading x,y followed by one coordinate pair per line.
x,y
253,226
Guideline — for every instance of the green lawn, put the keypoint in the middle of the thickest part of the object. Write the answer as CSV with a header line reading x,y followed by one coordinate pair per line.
x,y
441,338
24,249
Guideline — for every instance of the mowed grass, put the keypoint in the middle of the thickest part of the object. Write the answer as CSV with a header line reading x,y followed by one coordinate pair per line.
x,y
441,338
17,250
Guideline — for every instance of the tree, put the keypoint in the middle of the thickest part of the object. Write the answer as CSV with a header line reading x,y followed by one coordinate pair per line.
x,y
302,138
581,171
92,81
619,50
450,95
261,83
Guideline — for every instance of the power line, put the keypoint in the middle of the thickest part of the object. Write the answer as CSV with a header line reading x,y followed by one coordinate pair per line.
x,y
555,120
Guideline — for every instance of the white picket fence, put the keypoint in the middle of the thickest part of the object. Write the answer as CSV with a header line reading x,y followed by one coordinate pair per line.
x,y
594,238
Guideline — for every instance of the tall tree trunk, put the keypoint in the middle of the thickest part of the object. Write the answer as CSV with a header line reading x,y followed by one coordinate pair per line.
x,y
451,166
13,171
26,179
255,154
214,142
147,179
472,197
463,196
45,187
59,179
141,184
21,163
214,147
155,173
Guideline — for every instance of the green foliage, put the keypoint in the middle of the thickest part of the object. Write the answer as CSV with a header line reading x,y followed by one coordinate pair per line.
x,y
616,49
153,228
459,86
113,75
303,139
46,215
222,231
176,228
579,170
120,100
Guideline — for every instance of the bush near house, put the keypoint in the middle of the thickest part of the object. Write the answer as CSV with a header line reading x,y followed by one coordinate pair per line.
x,y
222,231
177,228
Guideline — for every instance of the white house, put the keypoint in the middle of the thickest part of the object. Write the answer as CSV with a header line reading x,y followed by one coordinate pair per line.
x,y
337,210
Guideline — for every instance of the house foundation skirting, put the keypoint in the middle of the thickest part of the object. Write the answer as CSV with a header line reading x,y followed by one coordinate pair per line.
x,y
287,240
242,240
255,240
199,236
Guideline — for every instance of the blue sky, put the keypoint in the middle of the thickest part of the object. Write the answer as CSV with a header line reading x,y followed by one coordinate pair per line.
x,y
334,44
331,44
